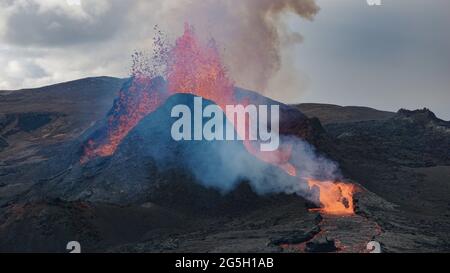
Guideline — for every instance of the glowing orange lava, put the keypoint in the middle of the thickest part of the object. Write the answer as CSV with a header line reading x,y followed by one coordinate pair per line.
x,y
134,103
335,197
196,68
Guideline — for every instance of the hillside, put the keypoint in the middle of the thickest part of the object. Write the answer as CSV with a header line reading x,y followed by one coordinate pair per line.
x,y
329,113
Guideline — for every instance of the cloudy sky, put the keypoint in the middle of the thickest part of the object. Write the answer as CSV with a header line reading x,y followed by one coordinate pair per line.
x,y
388,57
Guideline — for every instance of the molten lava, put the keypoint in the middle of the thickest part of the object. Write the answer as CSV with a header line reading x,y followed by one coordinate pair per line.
x,y
335,197
193,67
197,69
134,103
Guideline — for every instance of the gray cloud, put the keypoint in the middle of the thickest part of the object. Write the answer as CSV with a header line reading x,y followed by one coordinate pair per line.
x,y
41,23
98,36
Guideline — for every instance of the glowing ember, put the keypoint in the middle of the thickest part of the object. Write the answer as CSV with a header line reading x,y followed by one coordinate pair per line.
x,y
335,197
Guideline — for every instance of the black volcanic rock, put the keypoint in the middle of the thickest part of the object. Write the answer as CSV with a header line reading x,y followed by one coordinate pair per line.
x,y
292,121
3,143
422,116
410,138
321,246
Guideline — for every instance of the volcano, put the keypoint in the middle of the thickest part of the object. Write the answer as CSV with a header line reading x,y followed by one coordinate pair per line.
x,y
94,161
148,152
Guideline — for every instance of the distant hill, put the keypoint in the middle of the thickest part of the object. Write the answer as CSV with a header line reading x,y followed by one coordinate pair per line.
x,y
97,92
53,113
329,113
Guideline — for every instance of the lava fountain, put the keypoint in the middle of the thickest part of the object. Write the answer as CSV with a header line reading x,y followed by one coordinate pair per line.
x,y
193,67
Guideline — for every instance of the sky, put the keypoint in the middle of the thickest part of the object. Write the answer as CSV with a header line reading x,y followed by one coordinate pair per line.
x,y
344,52
388,57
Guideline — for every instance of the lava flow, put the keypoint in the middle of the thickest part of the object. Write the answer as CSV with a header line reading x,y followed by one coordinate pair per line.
x,y
335,197
193,67
134,103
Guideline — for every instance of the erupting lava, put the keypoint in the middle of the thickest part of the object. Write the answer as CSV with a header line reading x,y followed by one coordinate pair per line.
x,y
335,197
134,103
195,68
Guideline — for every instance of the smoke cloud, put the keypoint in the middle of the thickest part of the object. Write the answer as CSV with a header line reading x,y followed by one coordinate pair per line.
x,y
235,164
